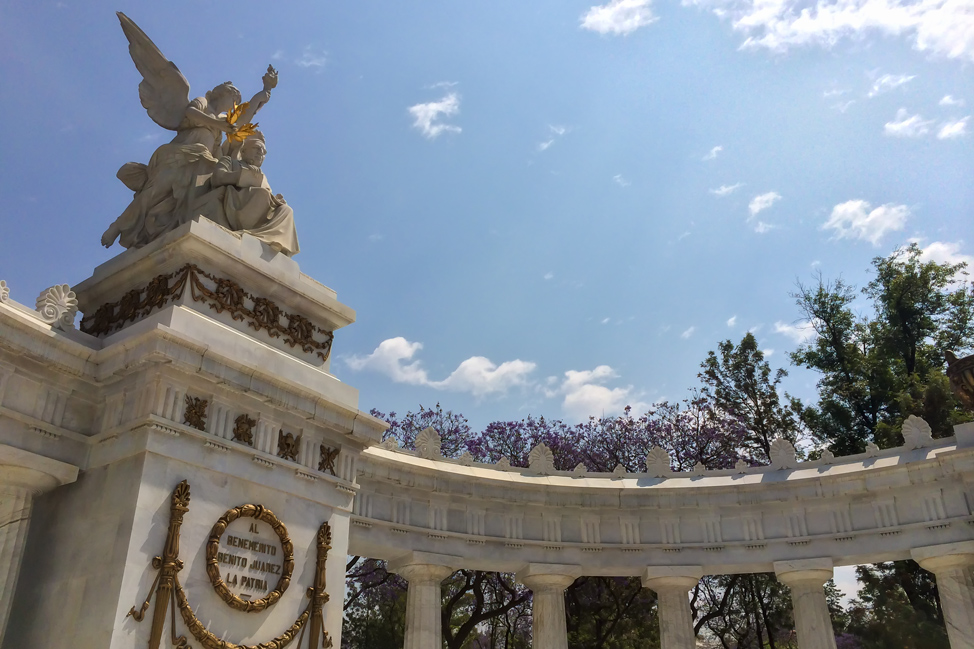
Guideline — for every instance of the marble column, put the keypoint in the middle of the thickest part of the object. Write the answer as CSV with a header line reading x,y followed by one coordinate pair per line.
x,y
23,475
672,586
548,582
806,579
951,565
425,572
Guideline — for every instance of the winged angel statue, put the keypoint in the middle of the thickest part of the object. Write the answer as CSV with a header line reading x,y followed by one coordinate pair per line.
x,y
198,174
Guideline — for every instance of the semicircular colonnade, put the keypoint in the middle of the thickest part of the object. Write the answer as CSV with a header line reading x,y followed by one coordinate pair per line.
x,y
428,515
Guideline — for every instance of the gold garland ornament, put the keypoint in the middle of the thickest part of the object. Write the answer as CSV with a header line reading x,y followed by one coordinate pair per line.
x,y
170,594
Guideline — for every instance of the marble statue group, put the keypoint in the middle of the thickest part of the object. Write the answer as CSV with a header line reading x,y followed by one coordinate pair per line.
x,y
199,174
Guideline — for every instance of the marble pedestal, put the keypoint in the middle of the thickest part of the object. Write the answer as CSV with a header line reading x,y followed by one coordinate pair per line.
x,y
202,357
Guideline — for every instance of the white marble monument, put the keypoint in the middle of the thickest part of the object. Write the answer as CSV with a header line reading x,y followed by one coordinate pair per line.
x,y
182,467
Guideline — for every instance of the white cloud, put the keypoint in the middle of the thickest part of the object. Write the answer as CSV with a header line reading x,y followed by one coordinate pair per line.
x,y
767,352
549,276
856,220
619,17
888,82
555,132
480,377
312,58
584,393
905,125
427,116
843,106
442,84
942,27
799,333
388,359
762,202
689,332
712,154
278,55
620,180
731,321
477,375
725,190
761,227
953,129
949,100
946,252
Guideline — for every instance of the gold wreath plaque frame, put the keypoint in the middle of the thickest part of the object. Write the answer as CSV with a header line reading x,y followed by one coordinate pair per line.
x,y
261,513
171,597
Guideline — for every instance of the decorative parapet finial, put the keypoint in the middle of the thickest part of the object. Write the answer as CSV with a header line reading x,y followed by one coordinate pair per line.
x,y
391,444
658,463
783,455
57,306
541,460
916,433
4,291
428,444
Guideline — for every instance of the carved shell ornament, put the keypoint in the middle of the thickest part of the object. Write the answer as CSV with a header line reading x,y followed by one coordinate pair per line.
x,y
4,291
428,443
541,459
658,462
916,432
783,455
57,306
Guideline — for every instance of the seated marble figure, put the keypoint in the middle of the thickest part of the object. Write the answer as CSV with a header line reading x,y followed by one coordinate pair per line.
x,y
241,199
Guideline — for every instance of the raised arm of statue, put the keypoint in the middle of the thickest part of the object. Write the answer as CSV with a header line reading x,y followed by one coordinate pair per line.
x,y
259,99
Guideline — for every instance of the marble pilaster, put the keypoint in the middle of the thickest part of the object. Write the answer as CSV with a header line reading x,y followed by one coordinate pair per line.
x,y
23,475
672,586
548,582
806,578
951,565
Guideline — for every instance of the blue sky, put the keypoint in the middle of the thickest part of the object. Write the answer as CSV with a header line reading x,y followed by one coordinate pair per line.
x,y
550,207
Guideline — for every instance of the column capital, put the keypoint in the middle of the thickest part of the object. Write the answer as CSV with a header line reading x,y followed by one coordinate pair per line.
x,y
540,576
805,572
681,577
424,566
934,558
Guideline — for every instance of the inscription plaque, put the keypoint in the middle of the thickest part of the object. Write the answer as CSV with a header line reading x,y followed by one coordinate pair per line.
x,y
249,558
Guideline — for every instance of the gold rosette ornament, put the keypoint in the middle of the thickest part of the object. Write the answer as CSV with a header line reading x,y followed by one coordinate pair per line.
x,y
243,132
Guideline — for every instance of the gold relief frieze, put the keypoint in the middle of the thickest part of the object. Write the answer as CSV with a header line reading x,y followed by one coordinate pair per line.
x,y
195,413
243,429
223,295
288,445
327,459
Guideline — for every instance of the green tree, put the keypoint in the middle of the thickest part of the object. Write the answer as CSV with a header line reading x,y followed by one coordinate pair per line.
x,y
742,383
875,371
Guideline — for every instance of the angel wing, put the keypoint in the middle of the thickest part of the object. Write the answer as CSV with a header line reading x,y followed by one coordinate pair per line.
x,y
164,90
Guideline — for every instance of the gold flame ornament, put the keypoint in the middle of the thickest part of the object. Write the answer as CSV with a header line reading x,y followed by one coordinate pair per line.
x,y
243,132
